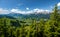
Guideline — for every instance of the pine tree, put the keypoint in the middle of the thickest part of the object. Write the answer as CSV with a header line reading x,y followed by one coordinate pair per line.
x,y
54,22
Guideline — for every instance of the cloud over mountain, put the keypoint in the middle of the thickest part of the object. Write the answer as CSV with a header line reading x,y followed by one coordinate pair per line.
x,y
4,11
34,11
30,11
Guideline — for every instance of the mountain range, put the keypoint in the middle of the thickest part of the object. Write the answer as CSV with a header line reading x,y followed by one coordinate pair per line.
x,y
25,16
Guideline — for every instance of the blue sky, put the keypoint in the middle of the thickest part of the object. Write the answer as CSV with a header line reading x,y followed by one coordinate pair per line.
x,y
31,4
18,5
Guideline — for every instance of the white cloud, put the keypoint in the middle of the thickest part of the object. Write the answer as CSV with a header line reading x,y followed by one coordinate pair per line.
x,y
4,11
34,11
31,11
58,4
21,12
17,11
41,11
27,8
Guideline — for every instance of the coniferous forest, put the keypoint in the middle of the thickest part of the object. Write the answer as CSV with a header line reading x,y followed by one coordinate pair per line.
x,y
31,27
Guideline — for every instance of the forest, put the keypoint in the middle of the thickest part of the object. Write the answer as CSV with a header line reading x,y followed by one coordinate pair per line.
x,y
31,28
